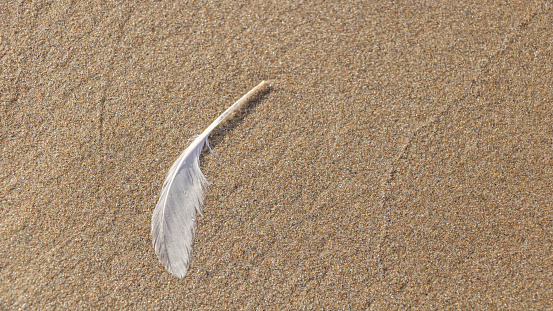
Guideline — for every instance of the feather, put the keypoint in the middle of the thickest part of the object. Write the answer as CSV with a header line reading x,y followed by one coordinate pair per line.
x,y
181,196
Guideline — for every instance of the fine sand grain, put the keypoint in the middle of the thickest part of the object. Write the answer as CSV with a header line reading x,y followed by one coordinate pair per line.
x,y
402,159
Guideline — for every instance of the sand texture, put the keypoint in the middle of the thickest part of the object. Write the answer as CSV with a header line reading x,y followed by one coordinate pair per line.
x,y
403,158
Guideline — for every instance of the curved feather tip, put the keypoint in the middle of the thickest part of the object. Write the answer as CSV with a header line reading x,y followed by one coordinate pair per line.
x,y
181,196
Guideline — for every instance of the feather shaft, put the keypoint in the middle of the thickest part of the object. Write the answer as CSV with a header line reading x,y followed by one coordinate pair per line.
x,y
182,195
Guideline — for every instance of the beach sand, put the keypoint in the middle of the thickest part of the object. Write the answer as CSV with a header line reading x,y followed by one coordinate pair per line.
x,y
402,158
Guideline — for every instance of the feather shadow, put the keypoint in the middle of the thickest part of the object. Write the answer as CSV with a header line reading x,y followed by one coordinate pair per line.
x,y
235,121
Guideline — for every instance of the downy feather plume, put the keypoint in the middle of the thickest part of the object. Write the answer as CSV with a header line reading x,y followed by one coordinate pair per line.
x,y
181,196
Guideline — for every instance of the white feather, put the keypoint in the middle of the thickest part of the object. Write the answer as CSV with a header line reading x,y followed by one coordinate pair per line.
x,y
181,196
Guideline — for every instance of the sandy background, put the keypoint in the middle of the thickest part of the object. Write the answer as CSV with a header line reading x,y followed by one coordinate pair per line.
x,y
402,159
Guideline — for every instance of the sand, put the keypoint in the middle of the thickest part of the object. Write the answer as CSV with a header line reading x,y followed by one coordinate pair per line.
x,y
402,159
